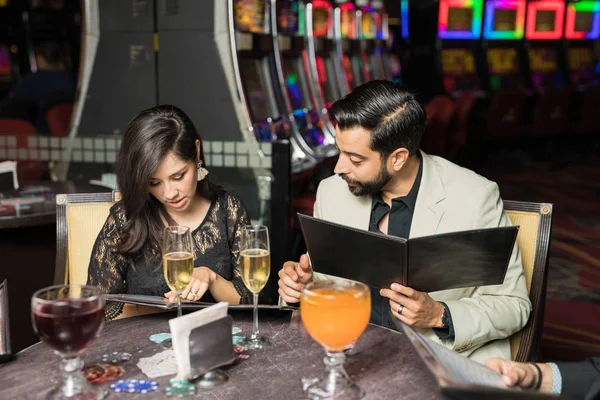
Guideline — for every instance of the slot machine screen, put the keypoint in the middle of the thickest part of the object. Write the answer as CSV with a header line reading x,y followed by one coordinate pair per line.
x,y
5,67
458,66
320,21
582,64
544,68
503,68
253,82
292,84
505,20
251,16
460,19
367,25
347,22
583,21
287,16
545,20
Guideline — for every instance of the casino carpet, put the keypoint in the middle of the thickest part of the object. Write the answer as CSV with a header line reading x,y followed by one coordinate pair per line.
x,y
572,319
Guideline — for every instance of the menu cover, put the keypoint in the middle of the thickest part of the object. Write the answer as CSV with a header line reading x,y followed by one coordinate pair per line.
x,y
445,261
4,327
462,378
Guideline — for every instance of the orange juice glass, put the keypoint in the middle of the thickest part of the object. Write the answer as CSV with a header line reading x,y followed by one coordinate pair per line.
x,y
335,313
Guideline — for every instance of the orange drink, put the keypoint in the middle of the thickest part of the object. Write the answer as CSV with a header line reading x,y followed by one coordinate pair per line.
x,y
335,317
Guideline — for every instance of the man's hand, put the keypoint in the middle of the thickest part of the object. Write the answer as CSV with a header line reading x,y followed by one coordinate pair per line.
x,y
292,278
418,309
523,375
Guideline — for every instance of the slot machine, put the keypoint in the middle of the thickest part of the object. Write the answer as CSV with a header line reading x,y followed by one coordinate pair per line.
x,y
369,21
255,53
459,33
12,59
543,32
296,96
381,57
582,28
346,34
503,31
543,38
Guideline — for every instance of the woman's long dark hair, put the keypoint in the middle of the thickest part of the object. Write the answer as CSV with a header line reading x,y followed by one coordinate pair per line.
x,y
148,138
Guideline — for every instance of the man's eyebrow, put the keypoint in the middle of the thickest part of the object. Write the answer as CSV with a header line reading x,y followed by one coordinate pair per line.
x,y
351,154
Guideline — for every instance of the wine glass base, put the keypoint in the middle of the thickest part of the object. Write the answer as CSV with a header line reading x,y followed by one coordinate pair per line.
x,y
324,388
89,393
211,379
255,343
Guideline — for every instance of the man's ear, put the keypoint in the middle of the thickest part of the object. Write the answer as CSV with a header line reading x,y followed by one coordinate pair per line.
x,y
398,158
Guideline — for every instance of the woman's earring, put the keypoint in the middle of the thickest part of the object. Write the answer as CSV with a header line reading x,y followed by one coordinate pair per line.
x,y
202,172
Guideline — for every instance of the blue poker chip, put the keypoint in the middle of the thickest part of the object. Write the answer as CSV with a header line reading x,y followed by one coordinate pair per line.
x,y
134,386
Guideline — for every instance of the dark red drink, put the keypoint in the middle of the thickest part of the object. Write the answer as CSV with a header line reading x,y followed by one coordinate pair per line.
x,y
68,325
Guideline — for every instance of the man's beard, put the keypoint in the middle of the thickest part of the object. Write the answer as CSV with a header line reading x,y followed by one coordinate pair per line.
x,y
369,188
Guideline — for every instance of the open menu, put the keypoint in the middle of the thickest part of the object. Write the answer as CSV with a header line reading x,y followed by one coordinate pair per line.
x,y
4,327
163,303
462,378
477,257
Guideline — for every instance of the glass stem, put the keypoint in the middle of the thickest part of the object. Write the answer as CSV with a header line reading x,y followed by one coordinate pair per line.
x,y
178,305
73,380
334,363
255,324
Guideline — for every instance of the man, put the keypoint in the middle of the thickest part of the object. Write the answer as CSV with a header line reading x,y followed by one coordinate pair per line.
x,y
383,183
574,380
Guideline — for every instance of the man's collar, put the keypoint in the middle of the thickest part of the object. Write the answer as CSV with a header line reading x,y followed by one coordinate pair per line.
x,y
411,198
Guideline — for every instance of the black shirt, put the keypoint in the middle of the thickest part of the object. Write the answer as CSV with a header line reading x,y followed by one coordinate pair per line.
x,y
399,223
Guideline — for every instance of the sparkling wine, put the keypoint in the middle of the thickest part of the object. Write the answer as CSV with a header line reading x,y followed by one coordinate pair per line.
x,y
68,325
178,268
256,267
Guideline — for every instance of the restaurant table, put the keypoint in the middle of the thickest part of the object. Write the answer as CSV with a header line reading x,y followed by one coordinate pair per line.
x,y
28,248
383,362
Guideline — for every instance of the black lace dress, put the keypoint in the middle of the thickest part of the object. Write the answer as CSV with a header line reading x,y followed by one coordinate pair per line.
x,y
216,246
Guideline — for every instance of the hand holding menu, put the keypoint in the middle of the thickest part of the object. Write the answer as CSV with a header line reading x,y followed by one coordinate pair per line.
x,y
462,378
439,262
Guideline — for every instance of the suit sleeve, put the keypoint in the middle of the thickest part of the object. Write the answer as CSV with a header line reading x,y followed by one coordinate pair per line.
x,y
580,380
493,312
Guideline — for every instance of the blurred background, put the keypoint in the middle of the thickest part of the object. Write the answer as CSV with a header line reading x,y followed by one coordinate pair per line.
x,y
511,89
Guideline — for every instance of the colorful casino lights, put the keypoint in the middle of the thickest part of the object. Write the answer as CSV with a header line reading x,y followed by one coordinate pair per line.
x,y
537,30
490,12
404,16
446,32
586,6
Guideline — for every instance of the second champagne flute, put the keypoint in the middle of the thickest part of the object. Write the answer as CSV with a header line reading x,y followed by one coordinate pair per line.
x,y
255,263
178,260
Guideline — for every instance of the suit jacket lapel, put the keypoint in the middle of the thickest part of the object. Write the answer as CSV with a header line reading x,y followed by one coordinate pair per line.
x,y
428,211
359,207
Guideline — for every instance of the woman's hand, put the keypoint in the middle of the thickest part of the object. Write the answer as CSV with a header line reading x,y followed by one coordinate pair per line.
x,y
202,278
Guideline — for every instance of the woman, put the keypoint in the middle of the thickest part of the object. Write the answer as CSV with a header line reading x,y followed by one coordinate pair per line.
x,y
162,182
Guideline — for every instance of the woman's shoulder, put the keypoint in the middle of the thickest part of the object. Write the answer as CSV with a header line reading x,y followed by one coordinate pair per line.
x,y
117,213
230,200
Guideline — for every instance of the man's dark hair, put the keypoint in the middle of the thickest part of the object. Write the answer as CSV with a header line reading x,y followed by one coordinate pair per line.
x,y
50,51
392,115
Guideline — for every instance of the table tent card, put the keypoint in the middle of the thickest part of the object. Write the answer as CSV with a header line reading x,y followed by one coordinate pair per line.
x,y
8,176
462,378
202,341
4,326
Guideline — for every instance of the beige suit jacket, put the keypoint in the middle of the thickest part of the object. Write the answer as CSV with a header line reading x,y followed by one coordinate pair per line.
x,y
450,198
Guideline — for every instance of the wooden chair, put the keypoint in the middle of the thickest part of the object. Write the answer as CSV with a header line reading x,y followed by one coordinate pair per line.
x,y
535,222
79,219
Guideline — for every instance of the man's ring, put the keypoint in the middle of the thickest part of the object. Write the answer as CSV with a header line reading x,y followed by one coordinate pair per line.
x,y
400,308
194,294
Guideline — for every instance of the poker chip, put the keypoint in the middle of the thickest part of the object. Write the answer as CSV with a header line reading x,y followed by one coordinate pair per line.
x,y
98,373
134,386
235,330
240,353
180,388
116,357
237,339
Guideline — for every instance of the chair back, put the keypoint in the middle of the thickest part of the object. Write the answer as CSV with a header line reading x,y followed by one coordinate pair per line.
x,y
535,224
59,119
505,114
28,171
79,219
551,113
459,129
440,112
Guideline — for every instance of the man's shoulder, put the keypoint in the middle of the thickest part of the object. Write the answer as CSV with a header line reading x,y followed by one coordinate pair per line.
x,y
333,183
455,177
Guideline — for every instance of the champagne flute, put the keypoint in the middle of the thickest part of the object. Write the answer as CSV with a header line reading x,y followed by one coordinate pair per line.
x,y
335,313
255,263
178,259
68,318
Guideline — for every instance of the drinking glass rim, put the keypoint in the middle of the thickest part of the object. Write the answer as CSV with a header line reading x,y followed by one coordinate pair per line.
x,y
308,290
256,227
176,229
35,296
